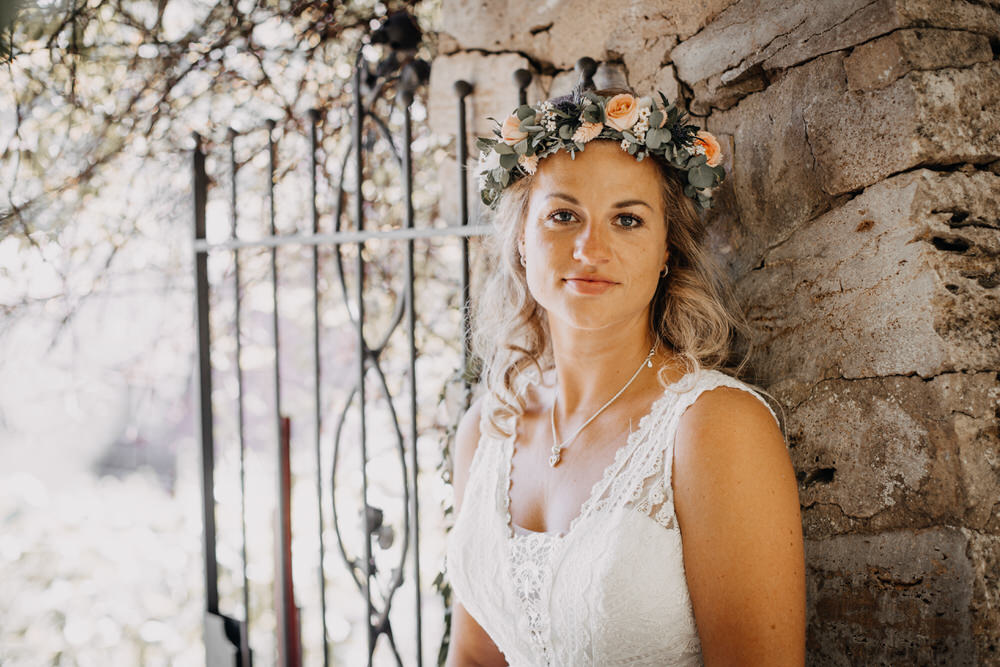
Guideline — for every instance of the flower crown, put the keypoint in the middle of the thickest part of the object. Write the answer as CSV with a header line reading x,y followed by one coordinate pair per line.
x,y
641,125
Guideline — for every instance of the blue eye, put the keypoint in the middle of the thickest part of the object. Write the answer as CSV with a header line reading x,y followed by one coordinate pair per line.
x,y
553,215
634,221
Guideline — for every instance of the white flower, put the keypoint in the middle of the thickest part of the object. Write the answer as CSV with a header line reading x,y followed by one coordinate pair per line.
x,y
528,162
587,131
488,162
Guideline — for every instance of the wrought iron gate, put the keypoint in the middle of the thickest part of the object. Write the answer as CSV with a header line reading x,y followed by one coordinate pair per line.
x,y
227,638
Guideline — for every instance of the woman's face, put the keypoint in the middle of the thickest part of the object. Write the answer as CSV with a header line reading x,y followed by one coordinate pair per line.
x,y
594,240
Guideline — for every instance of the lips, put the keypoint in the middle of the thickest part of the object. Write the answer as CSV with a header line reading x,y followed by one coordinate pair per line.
x,y
589,284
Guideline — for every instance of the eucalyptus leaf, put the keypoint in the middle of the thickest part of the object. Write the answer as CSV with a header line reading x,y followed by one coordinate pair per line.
x,y
503,148
508,161
701,177
520,147
505,179
532,128
653,139
525,111
655,119
628,135
565,131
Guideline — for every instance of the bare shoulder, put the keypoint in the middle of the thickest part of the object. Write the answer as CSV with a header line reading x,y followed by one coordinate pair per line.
x,y
719,414
737,507
466,441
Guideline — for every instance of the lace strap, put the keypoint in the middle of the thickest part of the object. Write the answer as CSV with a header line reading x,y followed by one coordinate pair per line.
x,y
713,379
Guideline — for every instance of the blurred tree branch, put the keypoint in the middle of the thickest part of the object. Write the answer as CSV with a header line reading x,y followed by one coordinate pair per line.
x,y
88,83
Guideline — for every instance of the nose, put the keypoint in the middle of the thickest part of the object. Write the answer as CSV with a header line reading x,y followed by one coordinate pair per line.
x,y
591,244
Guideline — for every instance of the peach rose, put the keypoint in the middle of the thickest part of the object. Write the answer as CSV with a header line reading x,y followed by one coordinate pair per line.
x,y
622,111
511,131
711,145
587,131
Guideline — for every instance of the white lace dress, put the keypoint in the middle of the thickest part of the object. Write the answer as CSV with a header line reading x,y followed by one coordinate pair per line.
x,y
611,590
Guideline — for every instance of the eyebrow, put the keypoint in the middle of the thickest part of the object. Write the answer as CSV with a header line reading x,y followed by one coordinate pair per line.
x,y
622,204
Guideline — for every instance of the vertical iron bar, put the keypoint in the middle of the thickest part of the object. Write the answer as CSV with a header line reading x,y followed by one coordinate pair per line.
x,y
245,634
522,78
289,646
407,98
359,211
200,187
284,519
314,144
464,88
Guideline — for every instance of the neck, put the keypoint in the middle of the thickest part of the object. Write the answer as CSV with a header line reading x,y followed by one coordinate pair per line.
x,y
591,366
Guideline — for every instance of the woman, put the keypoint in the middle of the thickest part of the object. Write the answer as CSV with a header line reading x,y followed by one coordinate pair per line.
x,y
618,499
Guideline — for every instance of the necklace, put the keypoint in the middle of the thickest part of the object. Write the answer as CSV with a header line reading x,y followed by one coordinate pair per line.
x,y
558,446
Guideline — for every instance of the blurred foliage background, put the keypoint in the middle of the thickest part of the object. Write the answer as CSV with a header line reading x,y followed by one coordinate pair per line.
x,y
100,527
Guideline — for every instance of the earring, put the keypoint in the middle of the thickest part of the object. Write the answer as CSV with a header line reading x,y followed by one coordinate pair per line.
x,y
664,271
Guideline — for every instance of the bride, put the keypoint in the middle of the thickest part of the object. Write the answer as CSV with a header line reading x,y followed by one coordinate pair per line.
x,y
620,500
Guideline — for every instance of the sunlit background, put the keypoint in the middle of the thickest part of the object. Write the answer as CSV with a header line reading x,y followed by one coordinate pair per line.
x,y
100,470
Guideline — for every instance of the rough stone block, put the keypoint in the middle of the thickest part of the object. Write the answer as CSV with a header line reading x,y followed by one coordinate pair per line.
x,y
897,598
645,61
804,143
926,117
772,182
900,280
754,36
984,552
877,454
559,32
878,63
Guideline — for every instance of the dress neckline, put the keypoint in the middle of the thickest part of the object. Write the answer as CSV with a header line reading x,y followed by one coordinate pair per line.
x,y
621,455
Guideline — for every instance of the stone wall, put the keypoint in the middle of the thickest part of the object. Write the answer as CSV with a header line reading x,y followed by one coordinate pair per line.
x,y
860,220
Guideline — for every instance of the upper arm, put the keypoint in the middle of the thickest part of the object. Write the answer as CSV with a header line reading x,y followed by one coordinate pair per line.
x,y
737,505
466,441
470,646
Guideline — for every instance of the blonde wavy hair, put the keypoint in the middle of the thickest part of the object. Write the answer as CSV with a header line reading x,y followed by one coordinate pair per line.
x,y
693,311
